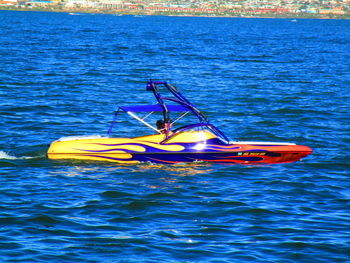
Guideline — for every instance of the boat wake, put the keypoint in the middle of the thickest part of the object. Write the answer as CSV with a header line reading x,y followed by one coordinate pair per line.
x,y
6,156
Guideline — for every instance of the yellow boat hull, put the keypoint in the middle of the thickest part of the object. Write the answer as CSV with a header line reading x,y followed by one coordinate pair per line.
x,y
187,146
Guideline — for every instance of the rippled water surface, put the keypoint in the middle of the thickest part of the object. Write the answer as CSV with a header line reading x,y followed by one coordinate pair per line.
x,y
257,79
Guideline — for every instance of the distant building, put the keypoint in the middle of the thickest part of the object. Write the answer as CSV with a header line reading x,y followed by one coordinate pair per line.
x,y
110,4
71,4
333,11
8,2
38,3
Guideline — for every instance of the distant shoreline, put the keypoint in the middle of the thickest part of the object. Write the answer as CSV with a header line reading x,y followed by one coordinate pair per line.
x,y
140,13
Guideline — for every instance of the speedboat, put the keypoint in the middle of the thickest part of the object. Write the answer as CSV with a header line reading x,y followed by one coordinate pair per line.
x,y
174,140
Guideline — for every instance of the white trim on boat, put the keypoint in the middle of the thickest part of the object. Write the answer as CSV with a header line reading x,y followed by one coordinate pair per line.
x,y
263,143
79,137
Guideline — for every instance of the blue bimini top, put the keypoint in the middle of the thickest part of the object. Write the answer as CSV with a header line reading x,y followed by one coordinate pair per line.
x,y
156,108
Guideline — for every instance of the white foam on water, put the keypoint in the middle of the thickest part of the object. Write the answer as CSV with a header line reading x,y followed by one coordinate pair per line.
x,y
4,155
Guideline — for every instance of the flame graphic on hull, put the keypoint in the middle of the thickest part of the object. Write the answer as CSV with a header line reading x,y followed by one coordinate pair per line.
x,y
149,149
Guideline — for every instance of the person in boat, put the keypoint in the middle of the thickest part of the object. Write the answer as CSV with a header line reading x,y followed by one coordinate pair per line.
x,y
163,127
160,126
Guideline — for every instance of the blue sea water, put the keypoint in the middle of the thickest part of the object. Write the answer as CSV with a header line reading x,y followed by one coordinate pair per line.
x,y
257,79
